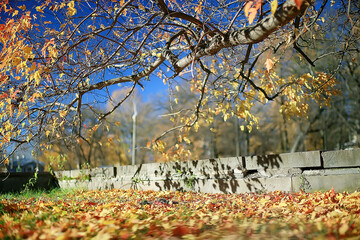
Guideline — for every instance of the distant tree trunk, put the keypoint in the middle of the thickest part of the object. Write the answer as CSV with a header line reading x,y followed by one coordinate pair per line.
x,y
213,148
247,142
284,132
79,158
300,137
237,135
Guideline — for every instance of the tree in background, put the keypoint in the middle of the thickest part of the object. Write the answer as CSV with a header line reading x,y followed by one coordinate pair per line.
x,y
60,59
110,144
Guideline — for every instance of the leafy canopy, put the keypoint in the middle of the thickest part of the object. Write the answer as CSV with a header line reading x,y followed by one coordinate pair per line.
x,y
61,58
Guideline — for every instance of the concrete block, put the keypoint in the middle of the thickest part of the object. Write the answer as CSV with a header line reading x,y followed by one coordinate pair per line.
x,y
244,185
340,171
79,173
170,170
74,184
62,174
285,160
313,172
282,172
340,183
331,171
217,168
105,172
120,184
343,158
166,185
127,170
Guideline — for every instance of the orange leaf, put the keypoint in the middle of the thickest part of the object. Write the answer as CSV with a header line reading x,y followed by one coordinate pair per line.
x,y
14,95
298,3
247,8
252,15
180,231
269,64
250,10
4,95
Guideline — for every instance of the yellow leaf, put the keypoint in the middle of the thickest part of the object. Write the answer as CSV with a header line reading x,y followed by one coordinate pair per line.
x,y
23,7
37,78
62,113
274,5
71,9
186,140
198,8
343,229
39,9
141,7
196,126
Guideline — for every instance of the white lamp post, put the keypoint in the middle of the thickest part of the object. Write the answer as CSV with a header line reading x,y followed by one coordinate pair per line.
x,y
134,133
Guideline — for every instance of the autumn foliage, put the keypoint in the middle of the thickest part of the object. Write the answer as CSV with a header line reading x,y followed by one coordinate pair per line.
x,y
134,214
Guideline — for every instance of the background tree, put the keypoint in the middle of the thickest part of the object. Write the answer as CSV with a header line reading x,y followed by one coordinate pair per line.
x,y
60,58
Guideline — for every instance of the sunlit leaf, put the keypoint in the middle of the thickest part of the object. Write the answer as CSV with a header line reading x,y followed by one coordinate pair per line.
x,y
298,3
274,5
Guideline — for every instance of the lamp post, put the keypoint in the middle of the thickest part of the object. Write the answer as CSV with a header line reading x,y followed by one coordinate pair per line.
x,y
134,133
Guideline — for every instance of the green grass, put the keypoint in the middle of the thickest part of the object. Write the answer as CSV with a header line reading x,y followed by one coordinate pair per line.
x,y
53,194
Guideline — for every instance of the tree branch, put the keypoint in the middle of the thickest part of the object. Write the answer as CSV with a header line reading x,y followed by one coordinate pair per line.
x,y
247,35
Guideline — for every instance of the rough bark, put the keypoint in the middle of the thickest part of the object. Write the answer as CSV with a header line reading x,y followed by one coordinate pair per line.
x,y
246,35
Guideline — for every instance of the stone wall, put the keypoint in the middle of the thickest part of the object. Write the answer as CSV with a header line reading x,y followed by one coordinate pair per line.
x,y
290,172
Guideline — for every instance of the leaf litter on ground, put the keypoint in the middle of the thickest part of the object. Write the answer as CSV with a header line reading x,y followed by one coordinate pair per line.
x,y
136,214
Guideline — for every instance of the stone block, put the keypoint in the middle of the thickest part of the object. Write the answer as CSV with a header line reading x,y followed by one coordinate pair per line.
x,y
62,174
340,183
243,185
331,171
282,172
342,158
170,170
74,184
217,168
285,160
79,173
104,172
127,170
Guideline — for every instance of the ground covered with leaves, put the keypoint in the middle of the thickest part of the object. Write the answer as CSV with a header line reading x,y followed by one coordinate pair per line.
x,y
133,214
